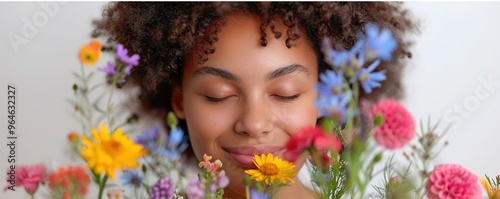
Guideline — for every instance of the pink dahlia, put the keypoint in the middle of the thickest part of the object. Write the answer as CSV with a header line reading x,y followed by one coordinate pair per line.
x,y
311,137
30,177
398,126
452,181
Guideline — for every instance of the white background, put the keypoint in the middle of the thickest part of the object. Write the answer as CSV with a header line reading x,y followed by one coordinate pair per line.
x,y
458,47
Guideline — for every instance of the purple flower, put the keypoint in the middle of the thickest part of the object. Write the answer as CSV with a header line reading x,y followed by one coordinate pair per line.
x,y
148,138
380,42
122,54
254,194
132,178
222,180
164,188
110,69
194,190
368,79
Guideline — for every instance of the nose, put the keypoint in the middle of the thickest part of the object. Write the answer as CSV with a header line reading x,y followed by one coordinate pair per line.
x,y
255,119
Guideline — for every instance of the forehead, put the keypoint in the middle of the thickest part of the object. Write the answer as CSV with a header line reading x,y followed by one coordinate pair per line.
x,y
239,46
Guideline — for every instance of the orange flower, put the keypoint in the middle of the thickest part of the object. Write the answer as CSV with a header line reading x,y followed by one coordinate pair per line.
x,y
69,181
493,193
72,136
90,53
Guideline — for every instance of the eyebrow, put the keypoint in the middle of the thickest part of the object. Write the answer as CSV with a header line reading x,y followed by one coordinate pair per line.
x,y
287,70
208,70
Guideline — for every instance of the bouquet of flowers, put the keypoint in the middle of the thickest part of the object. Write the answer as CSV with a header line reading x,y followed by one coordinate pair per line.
x,y
344,156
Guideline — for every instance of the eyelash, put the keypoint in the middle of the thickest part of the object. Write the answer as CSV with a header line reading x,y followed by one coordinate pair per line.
x,y
284,98
288,98
215,99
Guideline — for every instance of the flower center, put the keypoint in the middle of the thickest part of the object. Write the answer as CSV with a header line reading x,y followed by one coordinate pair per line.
x,y
269,169
113,148
363,77
337,90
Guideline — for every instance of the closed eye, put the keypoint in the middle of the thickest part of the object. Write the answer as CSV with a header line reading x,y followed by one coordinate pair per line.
x,y
288,98
217,99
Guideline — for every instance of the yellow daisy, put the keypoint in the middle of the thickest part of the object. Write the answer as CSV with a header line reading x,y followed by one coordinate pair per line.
x,y
89,54
492,193
107,152
271,168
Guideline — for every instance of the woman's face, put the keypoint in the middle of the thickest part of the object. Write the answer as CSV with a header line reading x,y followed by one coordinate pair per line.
x,y
247,99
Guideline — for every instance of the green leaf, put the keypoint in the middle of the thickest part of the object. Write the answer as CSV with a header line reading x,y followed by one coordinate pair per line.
x,y
77,76
94,87
96,104
90,75
378,120
328,124
172,120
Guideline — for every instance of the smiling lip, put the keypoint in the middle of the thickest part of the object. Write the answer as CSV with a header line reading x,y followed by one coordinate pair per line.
x,y
243,155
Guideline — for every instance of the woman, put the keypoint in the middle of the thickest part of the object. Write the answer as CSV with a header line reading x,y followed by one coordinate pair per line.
x,y
241,76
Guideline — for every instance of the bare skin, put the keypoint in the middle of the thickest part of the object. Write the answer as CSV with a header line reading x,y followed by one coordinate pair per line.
x,y
248,99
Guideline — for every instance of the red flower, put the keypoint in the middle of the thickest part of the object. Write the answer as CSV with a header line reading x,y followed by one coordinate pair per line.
x,y
72,179
311,137
398,126
452,181
30,177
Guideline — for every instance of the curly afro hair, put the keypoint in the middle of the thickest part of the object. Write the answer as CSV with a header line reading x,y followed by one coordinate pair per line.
x,y
164,34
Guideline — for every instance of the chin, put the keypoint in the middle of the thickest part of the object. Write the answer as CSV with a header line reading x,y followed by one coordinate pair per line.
x,y
235,189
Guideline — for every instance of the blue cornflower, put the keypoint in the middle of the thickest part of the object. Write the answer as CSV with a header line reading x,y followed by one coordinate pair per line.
x,y
380,42
333,106
122,54
175,137
148,138
254,194
132,178
339,57
331,83
175,145
368,79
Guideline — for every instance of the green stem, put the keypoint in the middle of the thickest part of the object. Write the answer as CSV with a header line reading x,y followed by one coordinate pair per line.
x,y
247,190
84,130
86,98
102,185
321,181
108,106
32,196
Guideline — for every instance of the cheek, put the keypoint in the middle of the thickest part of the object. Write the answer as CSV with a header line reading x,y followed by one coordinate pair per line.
x,y
205,125
299,115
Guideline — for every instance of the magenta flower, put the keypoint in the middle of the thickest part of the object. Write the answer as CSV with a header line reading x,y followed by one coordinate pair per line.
x,y
452,181
398,126
30,177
